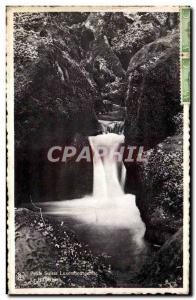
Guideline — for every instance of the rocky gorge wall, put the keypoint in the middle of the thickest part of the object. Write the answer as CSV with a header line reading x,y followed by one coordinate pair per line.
x,y
154,120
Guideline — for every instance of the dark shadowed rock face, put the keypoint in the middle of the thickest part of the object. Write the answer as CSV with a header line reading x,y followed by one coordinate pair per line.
x,y
162,183
54,100
49,83
106,23
165,269
154,112
106,70
137,35
153,92
158,185
127,33
40,179
142,29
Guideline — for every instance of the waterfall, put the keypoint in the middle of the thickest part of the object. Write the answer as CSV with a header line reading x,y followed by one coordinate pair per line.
x,y
112,126
108,221
106,182
108,206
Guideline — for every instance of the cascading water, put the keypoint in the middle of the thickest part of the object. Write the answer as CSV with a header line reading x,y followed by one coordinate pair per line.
x,y
106,184
109,205
112,206
108,221
112,126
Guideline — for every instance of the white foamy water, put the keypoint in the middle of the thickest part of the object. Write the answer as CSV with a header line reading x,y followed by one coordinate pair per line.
x,y
108,221
109,205
106,184
112,126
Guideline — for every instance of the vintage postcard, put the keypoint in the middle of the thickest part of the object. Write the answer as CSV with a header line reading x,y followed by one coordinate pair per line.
x,y
98,138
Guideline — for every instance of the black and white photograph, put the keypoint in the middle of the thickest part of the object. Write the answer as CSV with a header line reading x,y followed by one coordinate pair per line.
x,y
98,149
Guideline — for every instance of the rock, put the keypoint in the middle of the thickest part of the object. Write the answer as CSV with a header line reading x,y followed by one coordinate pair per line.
x,y
49,83
54,100
107,71
115,25
47,252
70,18
142,29
138,34
153,95
165,269
154,112
42,180
177,120
112,26
87,38
158,185
95,22
106,23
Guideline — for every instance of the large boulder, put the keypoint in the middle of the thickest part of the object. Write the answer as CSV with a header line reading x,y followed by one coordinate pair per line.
x,y
154,112
158,185
107,23
154,121
165,268
153,95
50,84
142,29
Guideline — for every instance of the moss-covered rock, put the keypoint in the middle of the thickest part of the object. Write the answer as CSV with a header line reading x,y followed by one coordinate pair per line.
x,y
158,185
153,95
55,99
107,71
142,29
165,268
49,255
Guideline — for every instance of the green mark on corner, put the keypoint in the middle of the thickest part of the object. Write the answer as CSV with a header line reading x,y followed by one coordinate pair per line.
x,y
185,29
186,79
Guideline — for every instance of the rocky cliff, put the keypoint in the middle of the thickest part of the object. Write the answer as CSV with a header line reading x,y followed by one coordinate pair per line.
x,y
55,100
154,120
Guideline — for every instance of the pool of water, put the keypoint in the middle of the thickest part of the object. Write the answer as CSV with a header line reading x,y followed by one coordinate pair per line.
x,y
113,231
